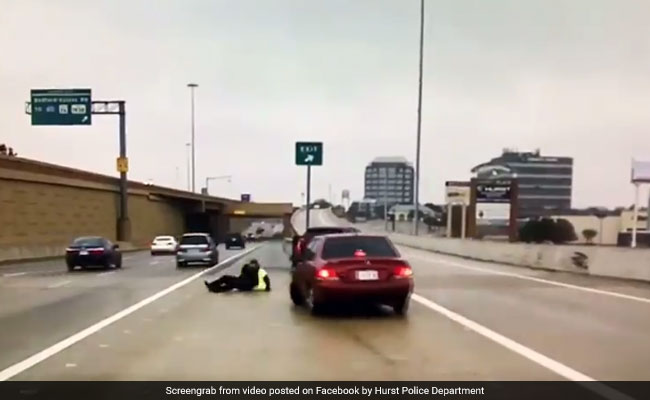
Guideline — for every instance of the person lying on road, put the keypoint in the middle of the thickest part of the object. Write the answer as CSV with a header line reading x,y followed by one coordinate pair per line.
x,y
252,278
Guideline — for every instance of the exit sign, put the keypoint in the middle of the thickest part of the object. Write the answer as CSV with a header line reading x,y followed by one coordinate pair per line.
x,y
309,153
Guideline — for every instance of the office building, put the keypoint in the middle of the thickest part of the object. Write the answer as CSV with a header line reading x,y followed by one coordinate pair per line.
x,y
390,179
545,183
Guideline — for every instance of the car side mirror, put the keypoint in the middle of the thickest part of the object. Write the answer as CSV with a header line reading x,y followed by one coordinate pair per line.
x,y
116,246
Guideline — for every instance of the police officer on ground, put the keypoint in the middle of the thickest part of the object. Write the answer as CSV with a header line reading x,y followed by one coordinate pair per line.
x,y
251,278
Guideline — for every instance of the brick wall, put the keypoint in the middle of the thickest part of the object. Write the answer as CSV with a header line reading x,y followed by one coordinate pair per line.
x,y
37,213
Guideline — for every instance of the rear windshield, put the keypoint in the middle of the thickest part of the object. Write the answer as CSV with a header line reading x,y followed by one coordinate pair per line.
x,y
98,242
345,247
325,231
234,235
194,240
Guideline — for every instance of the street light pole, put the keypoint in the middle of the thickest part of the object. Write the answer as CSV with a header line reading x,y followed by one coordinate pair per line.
x,y
192,86
189,167
417,151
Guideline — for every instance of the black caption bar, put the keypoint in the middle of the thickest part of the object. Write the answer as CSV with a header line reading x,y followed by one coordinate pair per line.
x,y
324,390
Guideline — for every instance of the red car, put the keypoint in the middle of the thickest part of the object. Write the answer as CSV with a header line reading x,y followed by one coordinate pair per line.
x,y
352,268
301,242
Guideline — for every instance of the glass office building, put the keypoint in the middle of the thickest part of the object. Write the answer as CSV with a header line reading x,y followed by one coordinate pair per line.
x,y
390,180
545,183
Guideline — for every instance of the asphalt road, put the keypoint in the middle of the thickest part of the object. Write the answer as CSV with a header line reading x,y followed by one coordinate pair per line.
x,y
468,321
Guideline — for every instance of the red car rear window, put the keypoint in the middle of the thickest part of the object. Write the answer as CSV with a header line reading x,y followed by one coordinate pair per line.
x,y
345,247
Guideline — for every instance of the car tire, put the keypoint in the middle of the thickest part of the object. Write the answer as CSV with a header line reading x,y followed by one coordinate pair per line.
x,y
315,308
179,264
401,307
227,247
296,296
70,268
118,265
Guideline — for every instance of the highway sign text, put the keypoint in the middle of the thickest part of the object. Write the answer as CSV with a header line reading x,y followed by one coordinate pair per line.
x,y
309,153
61,107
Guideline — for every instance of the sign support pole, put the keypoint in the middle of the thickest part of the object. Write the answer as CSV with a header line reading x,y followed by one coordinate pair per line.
x,y
123,224
308,196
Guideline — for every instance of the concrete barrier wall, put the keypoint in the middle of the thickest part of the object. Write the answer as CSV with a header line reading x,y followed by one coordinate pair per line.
x,y
601,261
612,262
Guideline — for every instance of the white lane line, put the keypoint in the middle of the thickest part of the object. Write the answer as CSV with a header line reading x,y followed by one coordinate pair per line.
x,y
510,344
14,274
533,279
106,273
58,284
42,355
154,262
538,358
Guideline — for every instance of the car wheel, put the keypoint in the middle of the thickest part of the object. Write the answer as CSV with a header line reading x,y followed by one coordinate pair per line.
x,y
227,247
70,267
402,307
314,307
179,264
119,264
295,294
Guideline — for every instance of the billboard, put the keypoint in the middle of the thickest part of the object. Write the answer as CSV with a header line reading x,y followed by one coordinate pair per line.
x,y
494,192
494,203
458,192
640,171
493,214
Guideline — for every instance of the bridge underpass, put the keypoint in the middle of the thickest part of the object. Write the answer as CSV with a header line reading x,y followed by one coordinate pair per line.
x,y
44,206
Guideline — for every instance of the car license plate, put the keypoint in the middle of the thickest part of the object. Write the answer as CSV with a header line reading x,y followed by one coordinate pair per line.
x,y
367,275
195,250
83,253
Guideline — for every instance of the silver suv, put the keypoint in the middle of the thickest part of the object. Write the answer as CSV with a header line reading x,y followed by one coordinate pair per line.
x,y
196,248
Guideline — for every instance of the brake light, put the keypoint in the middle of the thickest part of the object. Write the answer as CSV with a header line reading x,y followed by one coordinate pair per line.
x,y
359,253
326,274
403,271
96,251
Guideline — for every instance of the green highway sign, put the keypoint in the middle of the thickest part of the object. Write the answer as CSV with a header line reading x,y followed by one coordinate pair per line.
x,y
309,153
61,106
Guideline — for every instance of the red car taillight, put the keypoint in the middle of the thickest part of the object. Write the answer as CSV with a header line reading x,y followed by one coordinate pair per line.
x,y
96,251
326,274
402,271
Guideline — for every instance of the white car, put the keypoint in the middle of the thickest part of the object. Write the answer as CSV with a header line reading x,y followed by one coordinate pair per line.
x,y
164,245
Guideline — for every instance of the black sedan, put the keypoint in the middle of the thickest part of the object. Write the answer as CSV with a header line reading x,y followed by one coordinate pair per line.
x,y
93,251
235,240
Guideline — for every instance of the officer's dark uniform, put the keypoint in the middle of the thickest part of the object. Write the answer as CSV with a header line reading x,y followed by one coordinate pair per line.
x,y
252,278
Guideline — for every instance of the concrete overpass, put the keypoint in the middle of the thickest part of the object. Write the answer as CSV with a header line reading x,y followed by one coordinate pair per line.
x,y
43,206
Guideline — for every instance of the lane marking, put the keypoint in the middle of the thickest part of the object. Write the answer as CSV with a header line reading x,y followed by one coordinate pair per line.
x,y
154,262
533,279
534,356
106,273
70,365
42,355
58,284
14,274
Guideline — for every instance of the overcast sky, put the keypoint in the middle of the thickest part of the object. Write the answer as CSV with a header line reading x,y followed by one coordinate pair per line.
x,y
571,77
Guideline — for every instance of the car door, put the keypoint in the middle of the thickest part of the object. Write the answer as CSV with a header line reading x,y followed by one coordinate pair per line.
x,y
306,267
